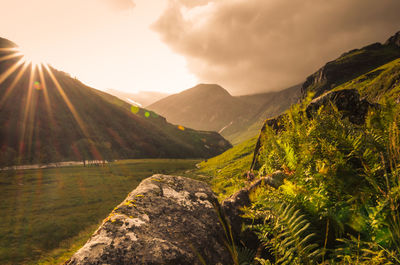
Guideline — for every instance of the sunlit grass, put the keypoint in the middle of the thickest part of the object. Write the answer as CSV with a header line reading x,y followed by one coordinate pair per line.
x,y
44,212
228,168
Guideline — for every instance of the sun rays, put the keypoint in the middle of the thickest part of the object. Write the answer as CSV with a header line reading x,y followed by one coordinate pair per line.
x,y
15,66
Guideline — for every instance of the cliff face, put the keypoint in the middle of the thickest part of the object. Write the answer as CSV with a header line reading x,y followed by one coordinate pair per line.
x,y
165,220
352,64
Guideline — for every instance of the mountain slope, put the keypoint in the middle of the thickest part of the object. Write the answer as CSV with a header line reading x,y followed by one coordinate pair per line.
x,y
211,107
45,115
351,65
336,160
204,107
378,83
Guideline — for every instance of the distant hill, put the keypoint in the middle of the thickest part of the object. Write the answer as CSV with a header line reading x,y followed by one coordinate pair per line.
x,y
45,116
143,98
211,107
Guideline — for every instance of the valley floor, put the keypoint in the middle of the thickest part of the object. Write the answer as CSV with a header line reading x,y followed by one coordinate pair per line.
x,y
47,214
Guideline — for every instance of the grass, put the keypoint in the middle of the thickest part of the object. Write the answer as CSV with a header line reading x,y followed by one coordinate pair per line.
x,y
47,214
380,82
228,168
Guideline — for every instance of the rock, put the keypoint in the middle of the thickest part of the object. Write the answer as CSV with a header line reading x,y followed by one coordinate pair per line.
x,y
232,206
394,40
351,65
347,101
165,220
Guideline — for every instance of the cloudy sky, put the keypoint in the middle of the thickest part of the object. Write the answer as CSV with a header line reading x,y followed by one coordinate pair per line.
x,y
247,46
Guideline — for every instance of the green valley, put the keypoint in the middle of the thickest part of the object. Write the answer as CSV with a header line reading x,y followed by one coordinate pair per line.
x,y
48,214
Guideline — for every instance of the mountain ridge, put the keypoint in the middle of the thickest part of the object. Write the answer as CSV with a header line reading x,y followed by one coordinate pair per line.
x,y
211,107
39,105
350,65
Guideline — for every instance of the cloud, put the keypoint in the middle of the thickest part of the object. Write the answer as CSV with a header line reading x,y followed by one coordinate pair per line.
x,y
121,5
256,45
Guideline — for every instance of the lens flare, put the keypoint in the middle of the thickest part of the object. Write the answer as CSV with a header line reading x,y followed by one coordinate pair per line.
x,y
180,127
147,114
134,109
37,85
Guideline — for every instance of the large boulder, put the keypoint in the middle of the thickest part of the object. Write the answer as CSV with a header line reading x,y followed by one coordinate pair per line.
x,y
165,220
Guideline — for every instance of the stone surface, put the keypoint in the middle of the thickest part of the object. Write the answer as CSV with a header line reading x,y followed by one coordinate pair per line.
x,y
165,220
347,101
232,206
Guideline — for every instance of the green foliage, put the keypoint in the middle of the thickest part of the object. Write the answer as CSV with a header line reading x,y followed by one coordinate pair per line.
x,y
342,179
343,176
286,233
228,168
379,83
351,65
356,251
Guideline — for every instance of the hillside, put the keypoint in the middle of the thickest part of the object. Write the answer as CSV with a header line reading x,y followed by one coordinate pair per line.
x,y
204,107
352,64
141,98
337,157
378,83
45,115
211,107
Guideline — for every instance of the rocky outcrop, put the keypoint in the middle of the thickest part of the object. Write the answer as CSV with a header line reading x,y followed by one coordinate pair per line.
x,y
394,40
165,220
232,205
347,101
350,65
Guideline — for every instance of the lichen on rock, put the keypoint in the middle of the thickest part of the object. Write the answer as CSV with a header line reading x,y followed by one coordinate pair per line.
x,y
165,220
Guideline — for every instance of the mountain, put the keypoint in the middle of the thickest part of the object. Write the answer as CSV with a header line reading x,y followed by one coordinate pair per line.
x,y
372,73
205,107
352,64
45,115
141,98
211,107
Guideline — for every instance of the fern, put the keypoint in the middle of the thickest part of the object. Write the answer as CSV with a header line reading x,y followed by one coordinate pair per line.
x,y
286,234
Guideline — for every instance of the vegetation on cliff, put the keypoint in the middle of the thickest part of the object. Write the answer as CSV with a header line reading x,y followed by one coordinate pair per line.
x,y
339,202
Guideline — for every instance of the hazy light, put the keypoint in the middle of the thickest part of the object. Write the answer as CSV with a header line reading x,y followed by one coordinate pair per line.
x,y
31,57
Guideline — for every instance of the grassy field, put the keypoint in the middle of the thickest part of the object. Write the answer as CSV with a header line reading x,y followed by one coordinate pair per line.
x,y
226,170
47,214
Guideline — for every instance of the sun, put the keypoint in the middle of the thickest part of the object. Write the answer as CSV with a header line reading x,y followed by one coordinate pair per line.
x,y
31,57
